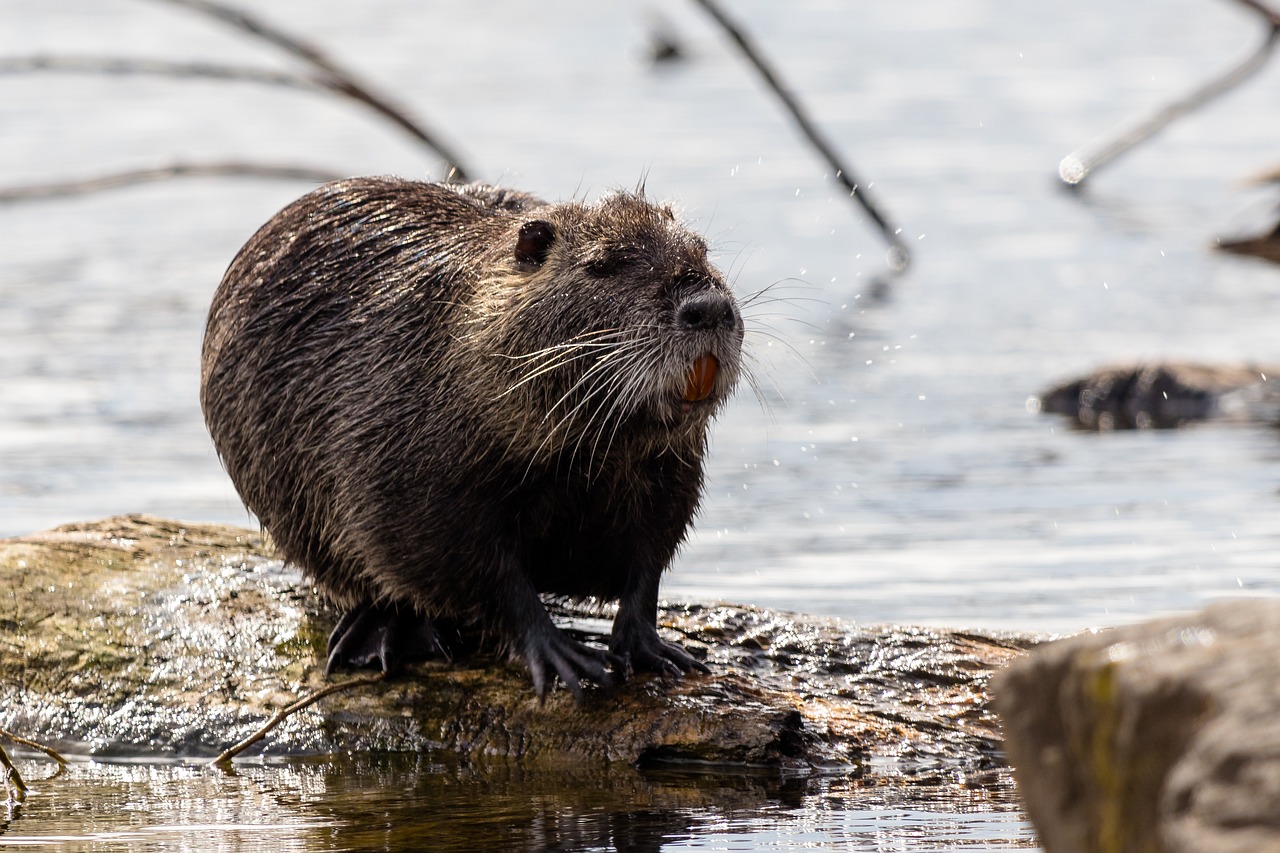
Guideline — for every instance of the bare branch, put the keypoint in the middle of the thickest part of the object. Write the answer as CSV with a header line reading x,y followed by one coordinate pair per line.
x,y
160,173
337,78
899,255
15,788
159,68
1076,167
280,716
31,744
1271,17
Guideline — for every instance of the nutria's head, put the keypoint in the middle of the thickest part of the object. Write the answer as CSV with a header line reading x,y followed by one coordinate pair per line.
x,y
604,315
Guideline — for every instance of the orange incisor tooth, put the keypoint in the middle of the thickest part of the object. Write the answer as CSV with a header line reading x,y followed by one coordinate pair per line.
x,y
702,378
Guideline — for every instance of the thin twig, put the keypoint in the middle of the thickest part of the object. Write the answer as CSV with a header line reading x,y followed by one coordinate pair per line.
x,y
160,68
15,788
280,716
337,78
900,255
31,744
1080,164
160,173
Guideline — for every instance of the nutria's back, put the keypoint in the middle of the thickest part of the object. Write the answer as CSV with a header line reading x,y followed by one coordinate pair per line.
x,y
444,400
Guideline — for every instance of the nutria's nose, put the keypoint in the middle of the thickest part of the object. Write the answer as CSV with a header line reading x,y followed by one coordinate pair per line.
x,y
708,310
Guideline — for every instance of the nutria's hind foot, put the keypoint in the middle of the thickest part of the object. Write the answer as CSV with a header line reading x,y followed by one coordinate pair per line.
x,y
381,635
644,651
551,653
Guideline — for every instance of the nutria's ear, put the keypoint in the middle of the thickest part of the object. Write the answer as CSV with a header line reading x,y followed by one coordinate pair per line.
x,y
534,242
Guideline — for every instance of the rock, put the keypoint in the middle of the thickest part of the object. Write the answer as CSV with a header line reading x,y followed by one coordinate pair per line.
x,y
1162,737
1265,246
147,637
1165,395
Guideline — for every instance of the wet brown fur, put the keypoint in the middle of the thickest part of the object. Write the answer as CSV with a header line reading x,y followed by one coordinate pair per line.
x,y
422,415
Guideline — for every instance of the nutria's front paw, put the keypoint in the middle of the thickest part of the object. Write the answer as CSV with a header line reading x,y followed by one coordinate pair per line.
x,y
553,653
644,651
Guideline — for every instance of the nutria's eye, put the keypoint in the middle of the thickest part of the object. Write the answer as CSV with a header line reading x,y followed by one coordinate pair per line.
x,y
616,263
534,242
609,265
690,278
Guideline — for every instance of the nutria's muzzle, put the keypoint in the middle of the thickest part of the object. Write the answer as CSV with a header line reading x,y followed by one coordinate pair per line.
x,y
707,310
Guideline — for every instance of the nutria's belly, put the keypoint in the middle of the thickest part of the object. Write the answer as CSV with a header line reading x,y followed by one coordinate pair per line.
x,y
576,565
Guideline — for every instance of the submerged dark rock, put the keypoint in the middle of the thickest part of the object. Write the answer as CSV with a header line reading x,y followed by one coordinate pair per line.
x,y
150,637
1265,246
1165,395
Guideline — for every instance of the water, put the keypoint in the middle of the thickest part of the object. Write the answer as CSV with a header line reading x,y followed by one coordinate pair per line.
x,y
892,472
410,803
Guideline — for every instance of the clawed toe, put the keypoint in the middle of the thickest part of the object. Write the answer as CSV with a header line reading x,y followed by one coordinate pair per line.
x,y
650,653
553,654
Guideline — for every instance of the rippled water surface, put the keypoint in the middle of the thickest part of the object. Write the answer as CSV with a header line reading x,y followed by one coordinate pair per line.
x,y
890,471
408,803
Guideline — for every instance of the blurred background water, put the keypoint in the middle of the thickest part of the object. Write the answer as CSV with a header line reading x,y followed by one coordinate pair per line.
x,y
891,471
894,472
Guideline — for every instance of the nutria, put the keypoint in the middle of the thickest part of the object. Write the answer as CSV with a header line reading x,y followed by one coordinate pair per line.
x,y
442,401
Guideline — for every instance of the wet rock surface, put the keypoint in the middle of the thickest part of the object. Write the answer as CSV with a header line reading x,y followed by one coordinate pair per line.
x,y
1156,737
138,636
1166,395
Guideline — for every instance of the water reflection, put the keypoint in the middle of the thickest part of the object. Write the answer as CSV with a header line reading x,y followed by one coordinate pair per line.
x,y
413,802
